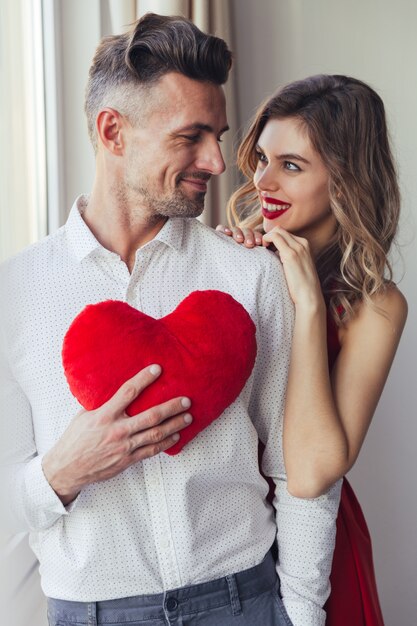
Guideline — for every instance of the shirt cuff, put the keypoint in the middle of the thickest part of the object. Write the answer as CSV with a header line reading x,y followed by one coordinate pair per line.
x,y
43,507
304,613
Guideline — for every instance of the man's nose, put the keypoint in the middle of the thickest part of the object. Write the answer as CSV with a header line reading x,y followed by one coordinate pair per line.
x,y
211,159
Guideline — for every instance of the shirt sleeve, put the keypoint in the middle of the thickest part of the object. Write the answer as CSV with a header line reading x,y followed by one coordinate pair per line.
x,y
305,528
31,503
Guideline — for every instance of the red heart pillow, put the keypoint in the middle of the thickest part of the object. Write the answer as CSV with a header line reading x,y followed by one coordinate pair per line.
x,y
206,347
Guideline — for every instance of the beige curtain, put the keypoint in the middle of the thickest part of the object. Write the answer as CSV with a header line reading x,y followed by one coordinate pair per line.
x,y
212,16
22,139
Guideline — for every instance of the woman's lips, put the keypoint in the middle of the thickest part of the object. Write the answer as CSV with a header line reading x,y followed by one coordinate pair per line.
x,y
273,208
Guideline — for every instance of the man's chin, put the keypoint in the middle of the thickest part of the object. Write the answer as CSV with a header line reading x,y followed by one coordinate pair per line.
x,y
189,211
183,206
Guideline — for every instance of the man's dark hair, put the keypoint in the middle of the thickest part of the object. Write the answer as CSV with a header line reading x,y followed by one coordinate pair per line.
x,y
154,46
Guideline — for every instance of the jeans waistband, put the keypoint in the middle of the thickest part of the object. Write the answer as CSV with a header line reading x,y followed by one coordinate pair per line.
x,y
231,589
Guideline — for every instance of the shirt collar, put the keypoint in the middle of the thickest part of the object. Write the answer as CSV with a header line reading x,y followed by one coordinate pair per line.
x,y
172,232
80,237
83,242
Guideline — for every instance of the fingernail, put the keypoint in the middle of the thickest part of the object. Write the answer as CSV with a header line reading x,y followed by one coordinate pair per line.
x,y
249,241
186,402
188,418
175,437
155,369
227,230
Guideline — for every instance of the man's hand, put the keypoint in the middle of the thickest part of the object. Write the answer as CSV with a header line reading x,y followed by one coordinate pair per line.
x,y
100,444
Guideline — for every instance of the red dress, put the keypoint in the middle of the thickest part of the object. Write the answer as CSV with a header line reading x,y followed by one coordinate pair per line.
x,y
354,598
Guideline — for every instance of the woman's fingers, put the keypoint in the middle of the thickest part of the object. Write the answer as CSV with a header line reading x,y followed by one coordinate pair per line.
x,y
224,229
300,272
234,232
280,234
248,236
281,244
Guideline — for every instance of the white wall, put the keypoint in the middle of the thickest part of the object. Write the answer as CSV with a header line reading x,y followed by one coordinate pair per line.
x,y
376,41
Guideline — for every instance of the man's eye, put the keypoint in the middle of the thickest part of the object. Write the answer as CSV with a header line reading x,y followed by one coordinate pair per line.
x,y
292,167
192,138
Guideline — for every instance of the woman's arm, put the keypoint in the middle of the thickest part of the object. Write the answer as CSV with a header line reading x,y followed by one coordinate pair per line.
x,y
326,420
327,416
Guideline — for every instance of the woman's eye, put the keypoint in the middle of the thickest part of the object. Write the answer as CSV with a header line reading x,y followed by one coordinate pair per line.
x,y
261,157
291,167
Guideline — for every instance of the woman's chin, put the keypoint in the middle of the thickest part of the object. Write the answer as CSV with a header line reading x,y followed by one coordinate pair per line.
x,y
268,225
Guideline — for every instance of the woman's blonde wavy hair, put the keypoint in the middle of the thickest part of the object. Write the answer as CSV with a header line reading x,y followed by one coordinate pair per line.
x,y
345,122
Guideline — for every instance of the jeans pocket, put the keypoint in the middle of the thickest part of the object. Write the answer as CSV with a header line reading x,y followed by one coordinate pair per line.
x,y
281,607
59,621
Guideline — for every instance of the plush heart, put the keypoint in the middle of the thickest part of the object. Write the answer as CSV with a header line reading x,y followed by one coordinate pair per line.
x,y
206,347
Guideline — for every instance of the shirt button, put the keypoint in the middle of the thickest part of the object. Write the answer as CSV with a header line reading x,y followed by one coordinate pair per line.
x,y
172,604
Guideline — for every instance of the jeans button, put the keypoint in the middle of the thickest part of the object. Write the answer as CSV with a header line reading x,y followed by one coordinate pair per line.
x,y
172,604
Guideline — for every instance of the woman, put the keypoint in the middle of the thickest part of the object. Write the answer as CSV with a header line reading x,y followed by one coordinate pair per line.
x,y
317,160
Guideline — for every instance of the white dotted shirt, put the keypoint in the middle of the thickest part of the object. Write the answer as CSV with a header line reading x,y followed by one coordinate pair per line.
x,y
169,521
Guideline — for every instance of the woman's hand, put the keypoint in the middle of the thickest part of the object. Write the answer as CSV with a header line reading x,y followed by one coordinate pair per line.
x,y
249,237
300,271
294,253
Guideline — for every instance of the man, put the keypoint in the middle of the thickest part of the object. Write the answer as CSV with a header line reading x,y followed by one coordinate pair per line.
x,y
122,532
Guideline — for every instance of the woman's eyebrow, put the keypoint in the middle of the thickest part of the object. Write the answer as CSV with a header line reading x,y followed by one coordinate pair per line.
x,y
292,156
288,156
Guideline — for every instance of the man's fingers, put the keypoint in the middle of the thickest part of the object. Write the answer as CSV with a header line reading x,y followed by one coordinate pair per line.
x,y
145,452
130,389
153,436
157,414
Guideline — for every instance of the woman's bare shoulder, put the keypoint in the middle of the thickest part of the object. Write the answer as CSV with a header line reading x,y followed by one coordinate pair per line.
x,y
390,303
386,311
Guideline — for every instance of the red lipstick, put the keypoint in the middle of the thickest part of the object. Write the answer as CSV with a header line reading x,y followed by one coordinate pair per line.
x,y
275,213
274,201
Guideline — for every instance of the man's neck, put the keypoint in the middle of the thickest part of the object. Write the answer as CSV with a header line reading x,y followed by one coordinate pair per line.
x,y
119,227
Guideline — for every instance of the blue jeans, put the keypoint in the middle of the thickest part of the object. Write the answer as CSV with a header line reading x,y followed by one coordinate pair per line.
x,y
247,598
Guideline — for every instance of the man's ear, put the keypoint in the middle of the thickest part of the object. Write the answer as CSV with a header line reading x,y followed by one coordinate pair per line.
x,y
109,127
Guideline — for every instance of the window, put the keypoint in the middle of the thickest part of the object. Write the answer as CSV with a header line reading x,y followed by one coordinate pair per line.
x,y
23,220
23,197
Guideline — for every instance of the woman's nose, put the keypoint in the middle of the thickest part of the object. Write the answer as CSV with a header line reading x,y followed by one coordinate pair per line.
x,y
266,180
